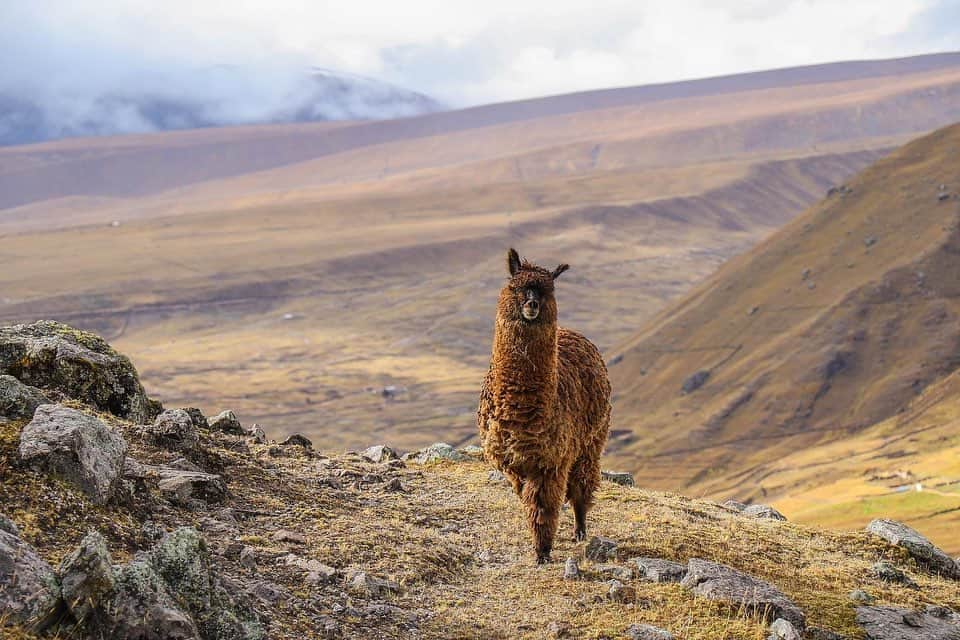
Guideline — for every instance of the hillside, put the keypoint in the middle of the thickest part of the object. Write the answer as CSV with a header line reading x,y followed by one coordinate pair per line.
x,y
827,358
339,278
197,527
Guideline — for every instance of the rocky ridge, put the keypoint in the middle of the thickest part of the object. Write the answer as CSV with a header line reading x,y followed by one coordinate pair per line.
x,y
189,527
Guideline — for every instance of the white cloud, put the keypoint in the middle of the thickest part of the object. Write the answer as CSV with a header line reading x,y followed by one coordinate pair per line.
x,y
463,52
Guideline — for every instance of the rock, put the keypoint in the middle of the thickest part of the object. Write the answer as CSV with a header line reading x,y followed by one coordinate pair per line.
x,y
174,429
248,558
142,608
557,629
889,573
226,422
763,511
29,591
892,623
435,452
818,633
921,549
379,453
197,417
86,576
394,485
619,592
298,440
571,570
76,447
473,451
869,241
722,583
647,632
615,571
601,549
8,525
317,572
18,400
782,630
267,592
943,196
735,505
695,381
657,570
283,535
496,477
859,595
257,433
182,464
622,478
185,487
80,365
361,583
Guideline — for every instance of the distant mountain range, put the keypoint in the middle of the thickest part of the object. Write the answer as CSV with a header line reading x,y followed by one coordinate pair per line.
x,y
218,97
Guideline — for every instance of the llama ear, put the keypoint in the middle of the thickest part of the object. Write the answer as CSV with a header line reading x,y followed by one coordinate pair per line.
x,y
560,269
513,261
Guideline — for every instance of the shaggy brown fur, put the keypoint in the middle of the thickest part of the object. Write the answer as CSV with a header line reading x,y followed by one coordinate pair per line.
x,y
545,404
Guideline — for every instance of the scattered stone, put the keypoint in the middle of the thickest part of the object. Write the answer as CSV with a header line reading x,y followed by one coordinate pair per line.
x,y
317,572
8,525
615,571
496,477
485,556
267,592
54,356
869,241
379,453
893,623
819,633
601,549
186,487
174,429
248,558
647,632
284,535
722,583
657,570
622,478
619,592
763,511
435,452
395,485
571,570
615,360
557,629
473,451
76,447
226,422
298,440
360,582
781,629
859,595
943,196
805,273
29,592
753,310
18,400
695,381
86,576
257,433
185,465
889,573
919,547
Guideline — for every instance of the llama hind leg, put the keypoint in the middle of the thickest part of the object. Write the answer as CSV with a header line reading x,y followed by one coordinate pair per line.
x,y
542,498
582,482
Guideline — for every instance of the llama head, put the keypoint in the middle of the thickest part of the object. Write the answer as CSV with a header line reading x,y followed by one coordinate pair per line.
x,y
528,295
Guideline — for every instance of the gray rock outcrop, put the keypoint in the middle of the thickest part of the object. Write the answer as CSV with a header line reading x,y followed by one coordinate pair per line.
x,y
379,453
227,422
54,356
657,570
601,549
75,446
623,478
647,632
86,576
435,452
18,400
29,591
174,429
720,582
921,549
893,623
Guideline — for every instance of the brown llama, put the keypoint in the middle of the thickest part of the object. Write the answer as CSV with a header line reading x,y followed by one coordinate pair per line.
x,y
545,404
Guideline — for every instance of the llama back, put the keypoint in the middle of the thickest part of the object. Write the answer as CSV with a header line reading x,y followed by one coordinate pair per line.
x,y
584,388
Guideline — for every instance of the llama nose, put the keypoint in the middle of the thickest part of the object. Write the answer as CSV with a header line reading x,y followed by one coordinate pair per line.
x,y
533,305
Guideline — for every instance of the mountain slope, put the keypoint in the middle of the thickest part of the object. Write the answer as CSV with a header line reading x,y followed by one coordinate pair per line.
x,y
839,321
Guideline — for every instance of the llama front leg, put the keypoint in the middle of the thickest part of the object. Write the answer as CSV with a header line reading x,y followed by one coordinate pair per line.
x,y
542,497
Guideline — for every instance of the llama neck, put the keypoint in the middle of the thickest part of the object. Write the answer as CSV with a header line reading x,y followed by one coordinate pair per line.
x,y
526,360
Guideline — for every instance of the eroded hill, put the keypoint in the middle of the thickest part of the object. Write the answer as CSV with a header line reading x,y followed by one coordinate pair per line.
x,y
820,367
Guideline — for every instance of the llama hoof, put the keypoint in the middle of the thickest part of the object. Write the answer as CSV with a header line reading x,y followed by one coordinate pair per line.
x,y
580,536
543,558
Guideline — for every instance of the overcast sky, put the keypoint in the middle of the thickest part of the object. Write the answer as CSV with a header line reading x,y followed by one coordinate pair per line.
x,y
462,53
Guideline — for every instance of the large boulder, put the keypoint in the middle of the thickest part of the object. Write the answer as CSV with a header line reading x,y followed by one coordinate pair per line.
x,y
86,576
180,486
722,583
78,364
29,592
893,623
921,549
174,429
75,446
18,400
